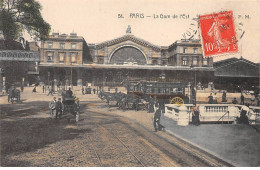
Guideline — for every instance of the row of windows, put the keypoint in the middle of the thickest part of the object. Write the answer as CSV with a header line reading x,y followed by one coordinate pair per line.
x,y
61,57
195,50
62,45
195,61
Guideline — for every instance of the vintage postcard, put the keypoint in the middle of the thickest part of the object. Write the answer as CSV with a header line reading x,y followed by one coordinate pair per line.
x,y
129,83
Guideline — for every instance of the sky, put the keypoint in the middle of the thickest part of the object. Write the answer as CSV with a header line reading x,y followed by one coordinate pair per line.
x,y
98,20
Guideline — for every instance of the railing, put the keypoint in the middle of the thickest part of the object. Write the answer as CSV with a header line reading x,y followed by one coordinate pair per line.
x,y
208,112
222,117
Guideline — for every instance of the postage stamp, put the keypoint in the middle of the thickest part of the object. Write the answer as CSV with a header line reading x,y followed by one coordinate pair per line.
x,y
218,34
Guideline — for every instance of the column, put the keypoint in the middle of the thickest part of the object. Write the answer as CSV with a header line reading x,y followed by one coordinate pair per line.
x,y
55,57
95,56
79,78
149,58
67,58
106,56
160,58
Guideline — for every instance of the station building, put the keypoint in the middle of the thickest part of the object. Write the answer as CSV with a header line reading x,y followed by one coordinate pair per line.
x,y
69,59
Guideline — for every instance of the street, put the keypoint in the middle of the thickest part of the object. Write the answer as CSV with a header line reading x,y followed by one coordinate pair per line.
x,y
30,137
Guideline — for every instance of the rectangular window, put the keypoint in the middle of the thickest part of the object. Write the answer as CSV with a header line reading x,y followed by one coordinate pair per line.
x,y
50,44
62,45
205,61
195,61
73,58
49,57
185,61
73,45
62,57
195,50
185,50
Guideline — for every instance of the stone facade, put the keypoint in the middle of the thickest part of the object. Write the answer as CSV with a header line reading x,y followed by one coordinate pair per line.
x,y
188,53
128,56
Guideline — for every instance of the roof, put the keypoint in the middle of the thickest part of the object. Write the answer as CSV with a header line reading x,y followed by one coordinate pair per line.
x,y
126,38
233,60
236,67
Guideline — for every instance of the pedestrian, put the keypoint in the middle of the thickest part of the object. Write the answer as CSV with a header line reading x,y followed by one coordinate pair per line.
x,y
151,105
9,94
243,119
224,97
196,116
234,101
242,99
215,99
34,89
82,90
43,89
156,118
58,108
94,90
69,92
210,99
76,108
50,92
52,105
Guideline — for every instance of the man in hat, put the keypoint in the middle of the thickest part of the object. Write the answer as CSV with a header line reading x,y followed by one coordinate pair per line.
x,y
58,108
52,105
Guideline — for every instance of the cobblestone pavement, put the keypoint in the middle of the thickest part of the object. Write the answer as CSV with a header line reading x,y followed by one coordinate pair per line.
x,y
30,137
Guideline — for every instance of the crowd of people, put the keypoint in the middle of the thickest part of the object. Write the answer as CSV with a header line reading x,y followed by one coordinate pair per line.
x,y
254,100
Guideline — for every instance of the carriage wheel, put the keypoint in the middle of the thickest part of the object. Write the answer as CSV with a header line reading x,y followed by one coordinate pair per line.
x,y
177,100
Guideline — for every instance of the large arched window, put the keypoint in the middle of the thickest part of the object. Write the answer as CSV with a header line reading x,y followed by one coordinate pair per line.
x,y
128,54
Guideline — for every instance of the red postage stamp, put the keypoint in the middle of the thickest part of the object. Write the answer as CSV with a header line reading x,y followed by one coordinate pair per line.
x,y
218,33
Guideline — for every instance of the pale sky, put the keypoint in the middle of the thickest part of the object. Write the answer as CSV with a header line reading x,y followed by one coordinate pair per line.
x,y
97,20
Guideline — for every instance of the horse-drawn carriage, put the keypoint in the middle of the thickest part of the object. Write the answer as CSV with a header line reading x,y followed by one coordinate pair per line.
x,y
14,95
70,106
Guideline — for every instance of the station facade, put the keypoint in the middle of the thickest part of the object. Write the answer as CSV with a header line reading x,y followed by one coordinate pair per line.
x,y
69,59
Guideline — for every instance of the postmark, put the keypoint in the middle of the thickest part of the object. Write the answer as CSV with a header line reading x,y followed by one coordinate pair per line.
x,y
218,34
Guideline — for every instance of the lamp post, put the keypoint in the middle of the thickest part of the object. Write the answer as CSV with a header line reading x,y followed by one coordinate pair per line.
x,y
48,78
4,84
71,76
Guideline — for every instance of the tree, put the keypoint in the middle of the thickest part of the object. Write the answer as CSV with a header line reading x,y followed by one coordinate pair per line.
x,y
17,16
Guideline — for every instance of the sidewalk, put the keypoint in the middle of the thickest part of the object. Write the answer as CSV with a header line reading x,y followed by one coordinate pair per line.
x,y
236,144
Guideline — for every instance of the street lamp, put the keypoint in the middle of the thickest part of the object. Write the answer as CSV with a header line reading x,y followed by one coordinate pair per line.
x,y
23,81
71,76
3,84
48,78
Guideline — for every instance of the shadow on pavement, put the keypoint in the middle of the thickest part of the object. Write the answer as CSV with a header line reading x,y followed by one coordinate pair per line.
x,y
31,129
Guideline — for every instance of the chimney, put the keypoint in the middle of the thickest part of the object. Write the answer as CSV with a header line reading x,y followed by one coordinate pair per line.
x,y
55,34
73,35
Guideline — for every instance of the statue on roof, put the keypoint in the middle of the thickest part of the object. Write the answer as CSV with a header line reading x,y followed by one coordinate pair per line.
x,y
128,30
